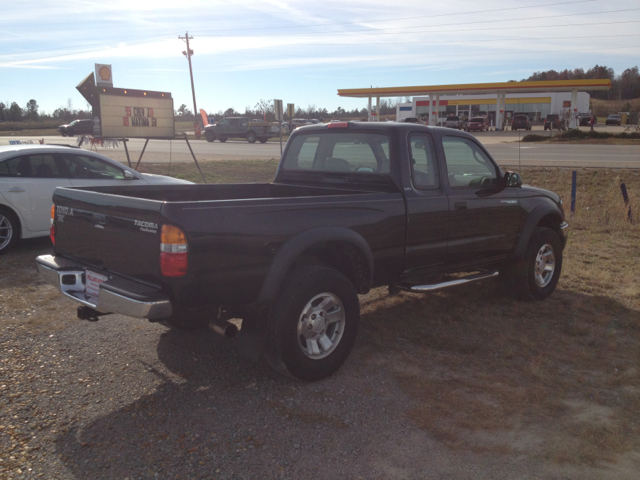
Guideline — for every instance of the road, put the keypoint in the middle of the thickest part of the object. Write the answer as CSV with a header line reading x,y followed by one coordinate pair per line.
x,y
503,146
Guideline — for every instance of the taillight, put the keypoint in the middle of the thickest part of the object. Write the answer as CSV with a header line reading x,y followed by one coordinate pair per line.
x,y
52,230
173,252
338,125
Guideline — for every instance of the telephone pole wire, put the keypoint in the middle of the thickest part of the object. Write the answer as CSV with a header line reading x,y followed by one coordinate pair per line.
x,y
188,53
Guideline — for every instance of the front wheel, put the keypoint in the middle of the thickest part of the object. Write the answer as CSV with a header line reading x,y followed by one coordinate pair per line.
x,y
251,137
9,230
210,136
223,139
313,324
536,277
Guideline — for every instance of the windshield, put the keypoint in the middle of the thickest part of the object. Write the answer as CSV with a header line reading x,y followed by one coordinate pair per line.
x,y
348,152
477,119
452,119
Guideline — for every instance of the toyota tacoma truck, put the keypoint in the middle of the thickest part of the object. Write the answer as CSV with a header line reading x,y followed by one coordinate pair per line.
x,y
240,127
353,206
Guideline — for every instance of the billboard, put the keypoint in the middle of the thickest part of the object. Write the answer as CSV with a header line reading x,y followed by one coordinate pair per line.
x,y
128,113
134,114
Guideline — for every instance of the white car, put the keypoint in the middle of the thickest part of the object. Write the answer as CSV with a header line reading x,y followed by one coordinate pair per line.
x,y
30,173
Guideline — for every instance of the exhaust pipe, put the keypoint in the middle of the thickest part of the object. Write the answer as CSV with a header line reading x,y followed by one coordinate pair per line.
x,y
224,328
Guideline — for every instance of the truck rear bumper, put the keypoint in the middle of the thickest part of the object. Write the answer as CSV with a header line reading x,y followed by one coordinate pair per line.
x,y
116,294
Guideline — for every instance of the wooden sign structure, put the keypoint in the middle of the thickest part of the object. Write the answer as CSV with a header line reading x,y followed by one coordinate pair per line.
x,y
123,113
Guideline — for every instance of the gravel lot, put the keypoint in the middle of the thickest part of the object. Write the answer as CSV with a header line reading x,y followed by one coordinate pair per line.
x,y
124,398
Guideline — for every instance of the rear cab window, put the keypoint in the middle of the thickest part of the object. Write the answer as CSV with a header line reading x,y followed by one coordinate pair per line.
x,y
348,152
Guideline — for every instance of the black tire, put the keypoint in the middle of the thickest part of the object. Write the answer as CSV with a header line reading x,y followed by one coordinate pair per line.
x,y
210,136
522,277
284,350
251,137
71,133
222,139
263,139
9,229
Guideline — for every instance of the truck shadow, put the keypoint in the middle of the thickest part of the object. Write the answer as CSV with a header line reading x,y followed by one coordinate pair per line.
x,y
422,362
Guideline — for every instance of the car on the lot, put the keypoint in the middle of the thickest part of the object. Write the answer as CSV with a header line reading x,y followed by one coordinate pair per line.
x,y
478,124
613,119
455,121
520,122
584,119
77,127
30,173
553,122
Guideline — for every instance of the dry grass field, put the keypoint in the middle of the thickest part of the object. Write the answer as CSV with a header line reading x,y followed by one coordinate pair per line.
x,y
557,380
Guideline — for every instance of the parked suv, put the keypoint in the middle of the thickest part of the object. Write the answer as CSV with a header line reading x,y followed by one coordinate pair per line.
x,y
613,119
520,121
77,127
585,118
455,122
478,123
554,122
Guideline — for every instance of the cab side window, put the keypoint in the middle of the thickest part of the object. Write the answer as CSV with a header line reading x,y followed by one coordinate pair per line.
x,y
467,164
424,168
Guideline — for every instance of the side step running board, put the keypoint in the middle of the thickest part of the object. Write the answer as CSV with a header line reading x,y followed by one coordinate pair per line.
x,y
450,283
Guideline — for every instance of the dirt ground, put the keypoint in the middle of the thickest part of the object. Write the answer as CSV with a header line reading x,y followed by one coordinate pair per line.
x,y
463,383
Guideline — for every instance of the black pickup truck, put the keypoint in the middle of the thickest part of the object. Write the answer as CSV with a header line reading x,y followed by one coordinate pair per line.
x,y
353,206
240,127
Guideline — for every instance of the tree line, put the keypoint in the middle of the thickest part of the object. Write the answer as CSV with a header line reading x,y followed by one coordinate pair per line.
x,y
13,112
625,86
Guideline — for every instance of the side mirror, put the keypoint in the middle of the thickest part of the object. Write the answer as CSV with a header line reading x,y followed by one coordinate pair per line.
x,y
128,175
513,179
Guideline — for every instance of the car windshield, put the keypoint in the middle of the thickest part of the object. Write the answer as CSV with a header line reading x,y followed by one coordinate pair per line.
x,y
614,116
477,119
348,152
74,122
453,118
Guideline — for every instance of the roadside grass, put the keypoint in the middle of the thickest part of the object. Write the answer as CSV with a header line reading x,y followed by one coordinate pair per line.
x,y
558,379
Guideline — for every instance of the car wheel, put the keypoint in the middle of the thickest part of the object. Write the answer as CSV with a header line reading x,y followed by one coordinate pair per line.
x,y
536,276
313,324
251,137
210,136
223,139
9,229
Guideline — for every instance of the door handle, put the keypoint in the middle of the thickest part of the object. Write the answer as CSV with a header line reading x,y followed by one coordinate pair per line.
x,y
15,189
461,205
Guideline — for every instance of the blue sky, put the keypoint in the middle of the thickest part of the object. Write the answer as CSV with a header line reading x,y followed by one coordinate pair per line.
x,y
301,52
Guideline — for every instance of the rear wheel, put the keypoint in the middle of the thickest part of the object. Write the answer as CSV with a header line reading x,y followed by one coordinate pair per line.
x,y
210,136
313,324
9,230
251,137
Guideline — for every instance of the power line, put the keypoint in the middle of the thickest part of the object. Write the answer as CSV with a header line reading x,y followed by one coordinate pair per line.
x,y
378,31
410,18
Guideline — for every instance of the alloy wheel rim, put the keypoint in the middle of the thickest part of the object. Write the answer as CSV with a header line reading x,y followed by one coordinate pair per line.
x,y
321,326
545,265
6,231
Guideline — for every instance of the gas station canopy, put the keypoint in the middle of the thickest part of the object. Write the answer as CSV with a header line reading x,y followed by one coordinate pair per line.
x,y
499,89
511,87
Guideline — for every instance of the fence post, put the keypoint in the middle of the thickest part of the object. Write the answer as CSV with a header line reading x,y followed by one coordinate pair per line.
x,y
625,196
574,178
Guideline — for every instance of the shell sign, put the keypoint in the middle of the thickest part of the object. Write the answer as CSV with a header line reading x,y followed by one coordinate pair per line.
x,y
103,75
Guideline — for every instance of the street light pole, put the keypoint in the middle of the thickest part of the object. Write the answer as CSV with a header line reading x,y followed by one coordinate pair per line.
x,y
188,54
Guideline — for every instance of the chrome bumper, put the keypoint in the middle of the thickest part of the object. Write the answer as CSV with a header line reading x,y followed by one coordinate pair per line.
x,y
68,277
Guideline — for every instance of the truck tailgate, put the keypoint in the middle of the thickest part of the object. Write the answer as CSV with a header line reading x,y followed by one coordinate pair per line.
x,y
116,233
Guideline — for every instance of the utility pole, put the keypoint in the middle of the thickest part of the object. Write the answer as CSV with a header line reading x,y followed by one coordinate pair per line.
x,y
188,53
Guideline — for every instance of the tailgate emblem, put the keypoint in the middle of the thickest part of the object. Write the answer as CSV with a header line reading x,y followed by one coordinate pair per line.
x,y
146,226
